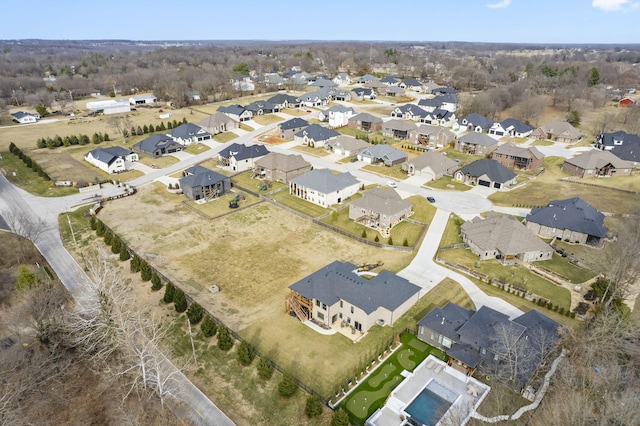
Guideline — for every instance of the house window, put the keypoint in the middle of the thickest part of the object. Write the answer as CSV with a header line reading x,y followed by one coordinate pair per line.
x,y
484,351
352,309
324,307
433,335
340,315
320,315
341,303
318,303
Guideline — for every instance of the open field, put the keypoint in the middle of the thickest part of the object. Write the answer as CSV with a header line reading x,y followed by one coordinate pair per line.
x,y
22,176
267,119
548,186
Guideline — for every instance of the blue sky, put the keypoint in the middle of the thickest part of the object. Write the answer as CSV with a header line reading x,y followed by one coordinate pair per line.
x,y
520,21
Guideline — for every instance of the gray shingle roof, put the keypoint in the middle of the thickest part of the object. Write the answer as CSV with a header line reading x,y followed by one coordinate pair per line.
x,y
348,143
317,133
187,130
447,320
596,159
518,125
519,151
280,98
323,181
478,120
621,137
384,151
397,124
484,326
153,142
382,200
242,151
563,129
627,152
366,117
216,119
102,155
573,214
337,281
413,109
294,123
201,177
475,138
437,161
494,170
282,162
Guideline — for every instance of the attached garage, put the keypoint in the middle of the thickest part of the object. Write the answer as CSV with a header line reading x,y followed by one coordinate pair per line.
x,y
484,183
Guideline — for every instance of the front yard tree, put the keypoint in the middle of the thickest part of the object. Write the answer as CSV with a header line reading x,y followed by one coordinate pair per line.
x,y
245,353
169,292
265,369
179,300
287,386
313,407
195,313
208,326
225,341
340,418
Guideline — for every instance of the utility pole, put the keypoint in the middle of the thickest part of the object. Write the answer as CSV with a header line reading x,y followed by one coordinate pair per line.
x,y
72,233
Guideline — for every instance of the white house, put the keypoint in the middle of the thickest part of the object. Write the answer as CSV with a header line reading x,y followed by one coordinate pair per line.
x,y
188,133
337,116
112,159
24,117
323,188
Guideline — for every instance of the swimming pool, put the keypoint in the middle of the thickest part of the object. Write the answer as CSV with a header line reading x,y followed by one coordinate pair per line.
x,y
430,405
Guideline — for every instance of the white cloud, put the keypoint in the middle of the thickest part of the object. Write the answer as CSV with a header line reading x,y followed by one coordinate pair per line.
x,y
505,3
611,5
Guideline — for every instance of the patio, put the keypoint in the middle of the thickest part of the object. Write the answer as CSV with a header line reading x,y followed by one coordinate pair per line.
x,y
470,393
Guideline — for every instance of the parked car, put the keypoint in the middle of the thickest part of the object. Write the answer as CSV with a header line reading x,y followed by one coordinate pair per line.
x,y
392,184
560,251
431,199
353,160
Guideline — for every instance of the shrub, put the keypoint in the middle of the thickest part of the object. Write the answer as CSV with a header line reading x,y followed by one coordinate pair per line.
x,y
287,386
340,418
135,264
195,313
169,292
179,300
99,228
364,233
390,242
208,326
124,253
92,222
108,238
376,239
225,342
116,245
265,369
313,407
156,284
245,353
145,271
405,243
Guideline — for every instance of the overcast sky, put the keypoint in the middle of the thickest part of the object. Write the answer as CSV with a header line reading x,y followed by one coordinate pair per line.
x,y
527,21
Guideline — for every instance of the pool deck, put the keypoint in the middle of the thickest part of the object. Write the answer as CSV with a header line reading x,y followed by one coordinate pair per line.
x,y
471,393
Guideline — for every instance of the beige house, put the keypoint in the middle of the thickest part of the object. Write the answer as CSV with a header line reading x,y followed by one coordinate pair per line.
x,y
219,123
276,167
346,145
336,295
380,209
476,144
559,131
432,165
431,136
596,163
504,238
323,188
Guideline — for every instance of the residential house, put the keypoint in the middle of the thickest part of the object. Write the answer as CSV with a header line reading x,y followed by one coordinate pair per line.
x,y
394,91
336,293
366,79
346,145
476,144
323,82
390,80
411,84
321,187
237,112
112,159
443,90
596,163
200,183
142,100
609,141
518,157
397,129
486,172
431,165
243,83
431,136
475,122
289,128
282,101
505,238
319,98
342,79
240,157
558,131
158,145
193,95
440,117
511,127
430,104
341,95
272,79
629,152
382,154
376,85
380,209
218,122
430,86
276,167
409,112
261,108
448,102
337,115
477,338
571,220
627,101
365,122
315,136
25,117
188,133
362,94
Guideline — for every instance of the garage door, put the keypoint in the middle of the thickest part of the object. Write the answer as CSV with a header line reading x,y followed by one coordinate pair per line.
x,y
484,183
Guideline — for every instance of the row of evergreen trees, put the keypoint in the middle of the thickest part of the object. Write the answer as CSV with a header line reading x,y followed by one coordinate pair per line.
x,y
58,141
28,161
245,352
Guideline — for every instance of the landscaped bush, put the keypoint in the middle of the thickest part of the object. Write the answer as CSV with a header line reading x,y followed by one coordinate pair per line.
x,y
340,418
169,292
195,313
265,369
208,327
313,407
156,284
287,386
134,264
245,353
179,300
225,341
145,271
124,253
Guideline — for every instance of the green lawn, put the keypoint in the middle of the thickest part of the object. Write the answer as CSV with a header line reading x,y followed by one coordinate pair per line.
x,y
447,183
244,180
561,265
516,275
294,111
267,119
451,233
393,171
630,183
298,204
161,162
542,143
196,148
461,156
225,137
316,152
75,229
372,392
352,132
423,211
22,176
246,127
